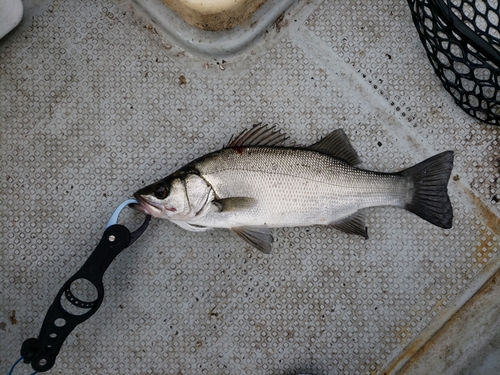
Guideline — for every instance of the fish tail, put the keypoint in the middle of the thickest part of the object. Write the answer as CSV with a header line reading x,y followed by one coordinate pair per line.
x,y
430,198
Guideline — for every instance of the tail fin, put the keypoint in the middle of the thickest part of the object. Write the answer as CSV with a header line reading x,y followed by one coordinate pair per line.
x,y
430,198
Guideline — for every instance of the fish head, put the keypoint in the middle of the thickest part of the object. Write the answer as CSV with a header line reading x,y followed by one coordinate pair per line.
x,y
163,199
178,198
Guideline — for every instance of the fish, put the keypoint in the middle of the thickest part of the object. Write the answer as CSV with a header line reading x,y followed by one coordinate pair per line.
x,y
257,182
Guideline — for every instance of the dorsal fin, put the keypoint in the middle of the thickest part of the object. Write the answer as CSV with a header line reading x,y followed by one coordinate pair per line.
x,y
337,145
259,135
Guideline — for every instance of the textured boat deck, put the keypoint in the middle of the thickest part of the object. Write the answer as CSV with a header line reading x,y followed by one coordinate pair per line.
x,y
96,101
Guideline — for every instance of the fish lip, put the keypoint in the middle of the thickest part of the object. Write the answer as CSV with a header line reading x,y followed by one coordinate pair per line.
x,y
144,206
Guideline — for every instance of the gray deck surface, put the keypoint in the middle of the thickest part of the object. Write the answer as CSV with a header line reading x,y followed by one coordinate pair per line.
x,y
96,102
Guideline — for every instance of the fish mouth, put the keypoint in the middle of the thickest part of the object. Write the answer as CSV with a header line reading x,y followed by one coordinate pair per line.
x,y
145,207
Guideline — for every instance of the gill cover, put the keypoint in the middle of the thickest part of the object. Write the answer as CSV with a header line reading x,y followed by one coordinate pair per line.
x,y
178,198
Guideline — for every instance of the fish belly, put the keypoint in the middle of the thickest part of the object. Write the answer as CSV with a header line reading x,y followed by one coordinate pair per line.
x,y
293,187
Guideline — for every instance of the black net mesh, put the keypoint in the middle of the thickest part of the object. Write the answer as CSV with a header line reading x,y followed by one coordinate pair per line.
x,y
462,39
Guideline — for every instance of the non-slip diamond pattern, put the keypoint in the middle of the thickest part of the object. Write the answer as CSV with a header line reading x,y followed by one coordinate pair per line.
x,y
94,105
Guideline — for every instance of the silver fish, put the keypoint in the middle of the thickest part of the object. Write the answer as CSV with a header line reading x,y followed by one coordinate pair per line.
x,y
255,183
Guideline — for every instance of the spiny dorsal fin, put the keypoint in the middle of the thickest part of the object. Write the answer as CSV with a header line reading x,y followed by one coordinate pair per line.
x,y
258,237
233,204
259,135
337,145
354,224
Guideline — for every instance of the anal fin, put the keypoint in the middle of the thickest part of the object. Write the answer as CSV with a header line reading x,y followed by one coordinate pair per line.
x,y
258,237
353,224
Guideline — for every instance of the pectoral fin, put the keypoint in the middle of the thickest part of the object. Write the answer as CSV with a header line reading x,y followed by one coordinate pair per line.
x,y
354,224
233,204
258,237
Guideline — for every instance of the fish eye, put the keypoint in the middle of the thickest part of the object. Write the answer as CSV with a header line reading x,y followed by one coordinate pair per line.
x,y
160,191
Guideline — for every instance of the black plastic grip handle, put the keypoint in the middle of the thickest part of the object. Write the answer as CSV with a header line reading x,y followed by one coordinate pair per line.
x,y
59,322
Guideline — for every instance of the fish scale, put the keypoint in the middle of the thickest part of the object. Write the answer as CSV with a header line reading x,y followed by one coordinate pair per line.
x,y
294,187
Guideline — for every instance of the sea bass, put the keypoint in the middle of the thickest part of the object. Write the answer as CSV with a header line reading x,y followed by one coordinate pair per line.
x,y
255,183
